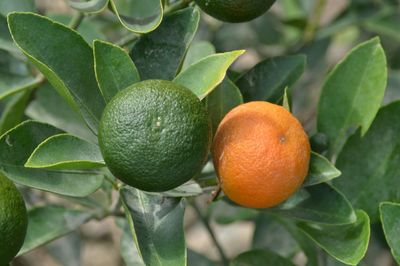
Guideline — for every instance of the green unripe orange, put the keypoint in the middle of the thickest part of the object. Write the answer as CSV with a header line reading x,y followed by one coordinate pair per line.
x,y
155,135
235,10
13,220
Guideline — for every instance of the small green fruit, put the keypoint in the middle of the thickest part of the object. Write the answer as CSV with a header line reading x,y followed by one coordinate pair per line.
x,y
235,10
13,220
155,135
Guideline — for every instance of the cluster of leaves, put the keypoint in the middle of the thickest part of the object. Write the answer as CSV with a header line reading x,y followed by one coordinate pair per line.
x,y
49,123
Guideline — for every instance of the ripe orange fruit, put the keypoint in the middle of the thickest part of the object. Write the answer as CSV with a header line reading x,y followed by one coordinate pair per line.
x,y
261,154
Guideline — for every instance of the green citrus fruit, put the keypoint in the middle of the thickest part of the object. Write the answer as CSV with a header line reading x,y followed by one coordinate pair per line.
x,y
13,220
155,135
235,10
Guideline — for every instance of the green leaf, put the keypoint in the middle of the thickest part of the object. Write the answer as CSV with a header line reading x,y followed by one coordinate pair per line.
x,y
16,5
316,51
356,85
392,92
285,100
232,36
321,170
270,29
203,76
268,79
156,223
321,204
13,112
189,189
65,151
304,242
281,235
48,107
348,18
140,16
271,234
12,61
293,9
260,257
197,259
196,52
346,243
319,142
51,222
6,42
64,58
91,6
390,217
376,248
370,164
114,68
385,25
67,250
128,248
17,145
15,76
221,100
159,54
90,29
223,212
12,84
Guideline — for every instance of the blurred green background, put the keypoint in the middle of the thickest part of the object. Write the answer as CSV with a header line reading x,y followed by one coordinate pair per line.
x,y
323,30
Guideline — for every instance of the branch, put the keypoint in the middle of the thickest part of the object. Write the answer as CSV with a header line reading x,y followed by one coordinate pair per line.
x,y
76,20
204,220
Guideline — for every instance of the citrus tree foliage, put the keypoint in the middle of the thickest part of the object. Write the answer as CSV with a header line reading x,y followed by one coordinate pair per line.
x,y
58,72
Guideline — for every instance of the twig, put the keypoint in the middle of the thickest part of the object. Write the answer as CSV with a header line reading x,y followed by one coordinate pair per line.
x,y
76,20
179,5
204,220
126,40
314,20
112,182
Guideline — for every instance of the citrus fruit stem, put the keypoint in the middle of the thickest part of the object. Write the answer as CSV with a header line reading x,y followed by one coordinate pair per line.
x,y
215,193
